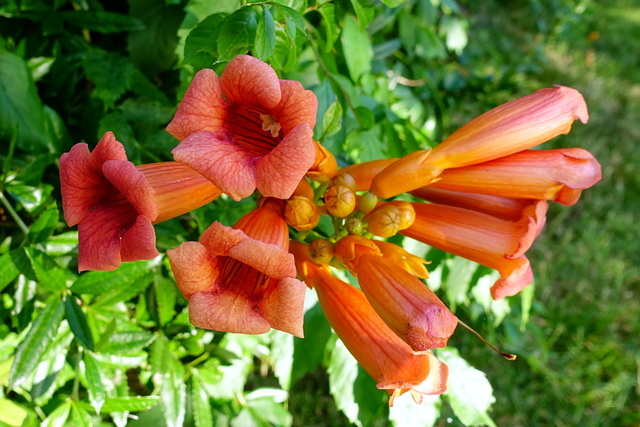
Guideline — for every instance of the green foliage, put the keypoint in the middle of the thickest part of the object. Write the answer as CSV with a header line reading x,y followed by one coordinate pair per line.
x,y
391,77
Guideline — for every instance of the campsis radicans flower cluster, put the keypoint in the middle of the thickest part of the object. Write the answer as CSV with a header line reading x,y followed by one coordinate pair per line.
x,y
481,194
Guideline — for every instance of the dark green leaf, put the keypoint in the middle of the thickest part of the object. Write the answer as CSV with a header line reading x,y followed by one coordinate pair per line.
x,y
102,21
20,106
393,3
365,117
130,403
48,273
308,353
41,333
153,48
115,295
358,52
99,282
79,415
265,44
11,264
95,386
173,391
364,14
59,415
32,173
294,18
31,198
111,73
237,34
165,295
201,46
43,227
78,323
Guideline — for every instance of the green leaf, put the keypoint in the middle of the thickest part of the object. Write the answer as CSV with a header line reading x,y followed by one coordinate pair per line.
x,y
461,271
282,356
469,392
169,378
481,293
200,404
43,227
237,34
59,416
365,117
79,415
78,323
21,109
116,295
127,341
48,273
165,295
101,21
99,282
111,74
331,119
405,412
343,371
201,47
11,413
52,371
358,52
62,244
266,405
41,333
293,17
328,12
95,386
153,49
364,14
31,198
393,3
265,43
11,264
129,403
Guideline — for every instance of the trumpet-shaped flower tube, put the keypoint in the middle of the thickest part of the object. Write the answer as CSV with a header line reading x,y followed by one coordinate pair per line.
x,y
515,126
403,302
555,175
482,238
246,129
242,279
382,354
115,203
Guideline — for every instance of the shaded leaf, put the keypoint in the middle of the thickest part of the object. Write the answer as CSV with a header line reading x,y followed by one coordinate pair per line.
x,y
102,21
59,416
331,121
265,43
11,264
237,34
48,273
78,323
43,227
41,333
99,282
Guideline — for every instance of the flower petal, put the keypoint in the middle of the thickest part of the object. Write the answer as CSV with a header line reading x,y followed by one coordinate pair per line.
x,y
139,241
201,109
279,172
225,311
132,185
514,279
405,174
220,160
249,81
283,306
193,267
297,106
108,148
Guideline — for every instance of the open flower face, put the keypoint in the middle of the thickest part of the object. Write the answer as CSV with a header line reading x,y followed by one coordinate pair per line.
x,y
247,129
115,203
111,202
241,279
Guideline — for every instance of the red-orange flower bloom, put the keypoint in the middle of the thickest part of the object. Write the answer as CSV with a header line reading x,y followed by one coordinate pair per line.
x,y
382,354
405,304
246,129
115,203
507,129
483,238
242,279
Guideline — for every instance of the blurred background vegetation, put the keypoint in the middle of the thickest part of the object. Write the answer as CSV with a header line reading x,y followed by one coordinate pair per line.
x,y
405,74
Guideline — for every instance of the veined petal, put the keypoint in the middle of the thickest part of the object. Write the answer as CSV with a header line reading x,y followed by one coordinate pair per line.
x,y
279,172
405,304
194,268
202,108
285,306
139,241
177,188
108,148
297,106
266,224
530,174
512,127
220,160
516,275
248,80
132,185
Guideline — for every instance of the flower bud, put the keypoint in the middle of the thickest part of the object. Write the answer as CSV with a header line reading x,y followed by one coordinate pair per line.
x,y
368,202
321,251
345,180
325,166
354,226
340,201
407,213
384,221
301,213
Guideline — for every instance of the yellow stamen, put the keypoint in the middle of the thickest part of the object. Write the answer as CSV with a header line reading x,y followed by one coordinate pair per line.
x,y
269,123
